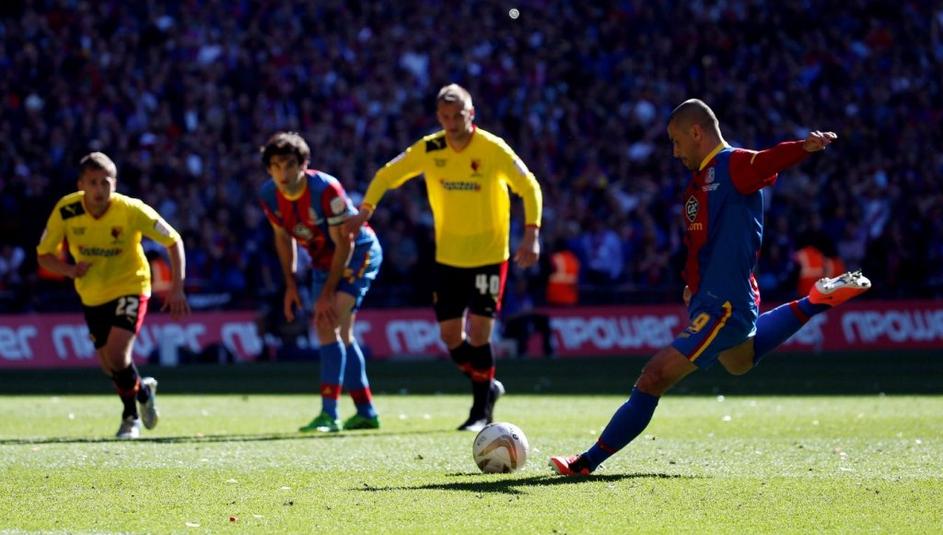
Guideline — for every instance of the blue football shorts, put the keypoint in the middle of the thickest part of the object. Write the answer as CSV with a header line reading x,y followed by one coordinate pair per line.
x,y
362,269
714,328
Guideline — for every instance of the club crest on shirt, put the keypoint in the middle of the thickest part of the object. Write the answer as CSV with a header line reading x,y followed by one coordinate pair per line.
x,y
440,162
476,165
115,234
690,208
709,184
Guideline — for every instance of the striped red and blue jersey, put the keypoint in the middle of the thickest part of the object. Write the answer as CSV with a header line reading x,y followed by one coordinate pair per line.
x,y
722,214
322,204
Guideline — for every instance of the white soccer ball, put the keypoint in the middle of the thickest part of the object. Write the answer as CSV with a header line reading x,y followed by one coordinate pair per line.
x,y
500,448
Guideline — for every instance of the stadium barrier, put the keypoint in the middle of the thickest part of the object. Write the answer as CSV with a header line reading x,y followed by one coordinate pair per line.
x,y
61,340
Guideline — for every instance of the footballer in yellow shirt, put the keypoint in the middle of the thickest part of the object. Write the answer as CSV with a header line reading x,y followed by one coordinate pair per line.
x,y
103,230
468,173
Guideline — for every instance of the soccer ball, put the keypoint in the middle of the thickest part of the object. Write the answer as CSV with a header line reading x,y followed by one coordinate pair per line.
x,y
500,448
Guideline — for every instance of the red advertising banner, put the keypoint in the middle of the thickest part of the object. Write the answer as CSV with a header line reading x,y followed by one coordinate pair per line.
x,y
61,340
57,340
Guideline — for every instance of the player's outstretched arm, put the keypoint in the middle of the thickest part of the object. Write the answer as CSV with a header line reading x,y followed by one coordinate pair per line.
x,y
751,171
176,300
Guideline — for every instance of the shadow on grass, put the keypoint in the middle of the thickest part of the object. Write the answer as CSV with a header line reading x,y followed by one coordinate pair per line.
x,y
503,484
203,439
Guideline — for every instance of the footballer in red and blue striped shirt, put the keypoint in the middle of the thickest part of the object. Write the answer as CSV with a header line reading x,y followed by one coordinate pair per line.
x,y
723,221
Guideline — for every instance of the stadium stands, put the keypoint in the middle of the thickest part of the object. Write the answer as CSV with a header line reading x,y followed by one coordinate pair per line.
x,y
181,94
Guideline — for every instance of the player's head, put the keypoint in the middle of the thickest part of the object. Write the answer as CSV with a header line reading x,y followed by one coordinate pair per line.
x,y
98,177
694,132
285,156
455,111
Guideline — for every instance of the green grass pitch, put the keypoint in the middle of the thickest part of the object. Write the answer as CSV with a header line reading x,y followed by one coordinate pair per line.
x,y
739,462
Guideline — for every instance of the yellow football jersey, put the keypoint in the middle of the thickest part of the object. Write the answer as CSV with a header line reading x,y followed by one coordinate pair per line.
x,y
468,194
110,243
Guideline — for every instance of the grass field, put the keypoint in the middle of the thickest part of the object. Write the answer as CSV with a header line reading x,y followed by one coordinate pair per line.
x,y
709,462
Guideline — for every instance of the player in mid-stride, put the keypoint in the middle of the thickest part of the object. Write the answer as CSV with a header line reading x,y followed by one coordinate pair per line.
x,y
723,219
103,230
309,206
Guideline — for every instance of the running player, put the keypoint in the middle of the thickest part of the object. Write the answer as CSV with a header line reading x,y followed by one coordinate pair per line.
x,y
723,219
103,230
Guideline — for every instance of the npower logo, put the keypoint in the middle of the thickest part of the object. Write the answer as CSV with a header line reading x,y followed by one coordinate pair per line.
x,y
893,325
68,341
15,342
615,332
414,337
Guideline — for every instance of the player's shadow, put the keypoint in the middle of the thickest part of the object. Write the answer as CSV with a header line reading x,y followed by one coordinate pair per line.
x,y
502,484
201,439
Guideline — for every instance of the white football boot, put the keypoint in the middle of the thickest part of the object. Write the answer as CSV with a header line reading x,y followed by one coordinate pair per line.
x,y
149,413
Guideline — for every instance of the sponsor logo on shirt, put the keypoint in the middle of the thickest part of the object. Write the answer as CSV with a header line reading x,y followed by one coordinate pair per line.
x,y
690,208
99,251
456,185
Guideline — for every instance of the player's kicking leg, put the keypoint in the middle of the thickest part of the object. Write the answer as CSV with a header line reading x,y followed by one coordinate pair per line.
x,y
714,327
774,327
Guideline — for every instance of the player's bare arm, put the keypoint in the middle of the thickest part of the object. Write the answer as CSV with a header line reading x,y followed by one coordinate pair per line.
x,y
818,140
176,300
286,247
529,250
324,311
52,263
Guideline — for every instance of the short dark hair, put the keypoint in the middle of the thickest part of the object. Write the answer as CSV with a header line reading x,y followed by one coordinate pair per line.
x,y
97,161
285,143
455,94
695,111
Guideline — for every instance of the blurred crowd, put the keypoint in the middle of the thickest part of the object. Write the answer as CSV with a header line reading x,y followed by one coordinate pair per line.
x,y
182,93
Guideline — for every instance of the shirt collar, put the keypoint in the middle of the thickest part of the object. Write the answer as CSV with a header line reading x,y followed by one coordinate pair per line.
x,y
710,156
